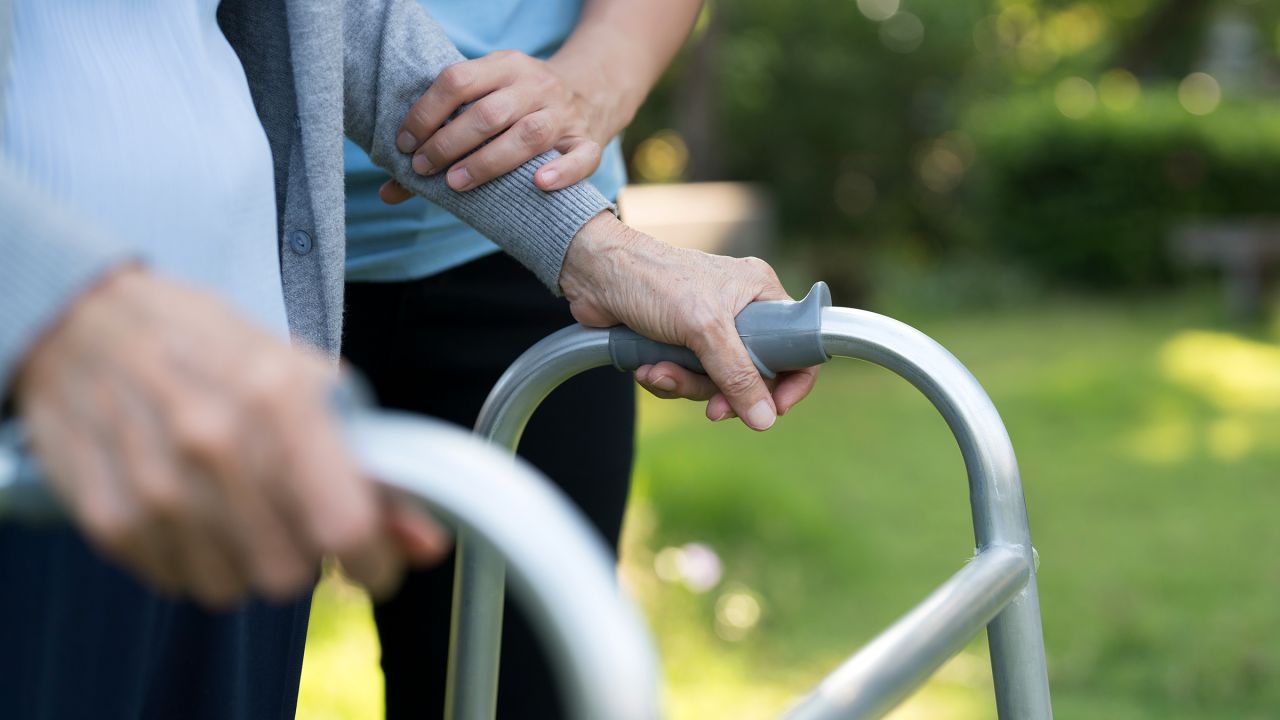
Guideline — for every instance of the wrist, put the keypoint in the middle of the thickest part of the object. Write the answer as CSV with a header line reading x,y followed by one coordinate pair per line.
x,y
602,256
612,98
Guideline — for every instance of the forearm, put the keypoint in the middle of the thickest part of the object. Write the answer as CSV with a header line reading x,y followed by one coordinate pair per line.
x,y
619,49
393,52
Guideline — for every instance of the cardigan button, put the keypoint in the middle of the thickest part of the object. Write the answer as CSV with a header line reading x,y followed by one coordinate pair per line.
x,y
300,241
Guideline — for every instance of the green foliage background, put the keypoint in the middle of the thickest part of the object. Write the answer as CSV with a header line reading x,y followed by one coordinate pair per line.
x,y
808,100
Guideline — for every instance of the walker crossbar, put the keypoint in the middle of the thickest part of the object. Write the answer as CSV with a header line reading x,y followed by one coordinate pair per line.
x,y
997,589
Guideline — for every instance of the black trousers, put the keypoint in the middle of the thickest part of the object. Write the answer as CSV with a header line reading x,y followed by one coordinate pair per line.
x,y
81,638
436,346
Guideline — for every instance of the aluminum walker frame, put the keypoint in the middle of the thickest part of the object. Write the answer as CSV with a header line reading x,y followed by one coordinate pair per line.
x,y
996,589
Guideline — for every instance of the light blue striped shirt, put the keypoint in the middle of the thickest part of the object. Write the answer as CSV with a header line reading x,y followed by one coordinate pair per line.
x,y
104,95
416,238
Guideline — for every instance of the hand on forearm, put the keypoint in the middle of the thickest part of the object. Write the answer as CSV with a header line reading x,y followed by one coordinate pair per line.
x,y
615,275
521,106
200,451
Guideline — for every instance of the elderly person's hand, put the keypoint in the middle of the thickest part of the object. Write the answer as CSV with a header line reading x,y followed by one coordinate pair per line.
x,y
613,274
202,452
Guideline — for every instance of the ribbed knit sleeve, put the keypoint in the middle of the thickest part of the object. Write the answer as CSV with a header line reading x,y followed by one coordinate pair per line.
x,y
392,54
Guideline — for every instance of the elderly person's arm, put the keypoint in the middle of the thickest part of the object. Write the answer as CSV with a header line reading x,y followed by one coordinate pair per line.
x,y
610,273
189,445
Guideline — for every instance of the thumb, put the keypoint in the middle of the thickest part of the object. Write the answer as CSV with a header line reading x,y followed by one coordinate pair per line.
x,y
393,193
727,363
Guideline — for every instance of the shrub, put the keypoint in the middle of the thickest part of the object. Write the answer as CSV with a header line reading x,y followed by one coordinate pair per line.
x,y
1092,201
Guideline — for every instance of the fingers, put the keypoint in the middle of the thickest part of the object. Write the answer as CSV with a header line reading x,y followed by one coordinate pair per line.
x,y
421,540
793,387
718,408
334,503
454,87
393,193
528,137
579,160
729,366
487,118
668,381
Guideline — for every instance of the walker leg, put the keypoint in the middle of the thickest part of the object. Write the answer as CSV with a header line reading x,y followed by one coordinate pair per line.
x,y
475,638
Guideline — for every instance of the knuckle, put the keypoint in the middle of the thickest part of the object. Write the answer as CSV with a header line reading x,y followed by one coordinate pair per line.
x,y
765,272
592,149
704,322
268,380
351,534
454,80
419,118
738,381
437,149
114,530
205,433
162,500
536,131
492,115
546,83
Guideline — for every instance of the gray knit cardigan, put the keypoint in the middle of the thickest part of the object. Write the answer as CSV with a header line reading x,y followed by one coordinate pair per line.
x,y
315,68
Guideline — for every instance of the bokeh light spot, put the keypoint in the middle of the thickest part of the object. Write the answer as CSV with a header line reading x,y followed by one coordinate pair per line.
x,y
1199,93
666,564
878,10
902,33
662,157
942,163
1074,29
1119,90
1075,97
695,565
738,612
1015,24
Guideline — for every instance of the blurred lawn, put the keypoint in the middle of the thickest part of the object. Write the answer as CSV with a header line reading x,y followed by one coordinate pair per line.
x,y
1150,451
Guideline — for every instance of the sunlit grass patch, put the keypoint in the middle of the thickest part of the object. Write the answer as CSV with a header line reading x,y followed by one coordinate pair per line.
x,y
341,679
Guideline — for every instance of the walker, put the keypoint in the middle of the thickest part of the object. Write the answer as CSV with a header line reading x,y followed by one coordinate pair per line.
x,y
506,516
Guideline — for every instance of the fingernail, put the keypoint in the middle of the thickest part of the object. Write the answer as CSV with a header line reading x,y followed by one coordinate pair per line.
x,y
761,416
422,165
665,383
459,178
550,176
406,141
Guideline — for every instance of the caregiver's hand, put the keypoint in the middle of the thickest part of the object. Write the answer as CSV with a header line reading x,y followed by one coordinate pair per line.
x,y
613,274
202,452
524,105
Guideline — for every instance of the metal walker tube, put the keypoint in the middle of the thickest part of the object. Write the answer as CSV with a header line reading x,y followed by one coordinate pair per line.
x,y
561,573
998,587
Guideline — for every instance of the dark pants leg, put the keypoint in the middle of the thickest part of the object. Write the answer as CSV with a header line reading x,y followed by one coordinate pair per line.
x,y
80,638
436,346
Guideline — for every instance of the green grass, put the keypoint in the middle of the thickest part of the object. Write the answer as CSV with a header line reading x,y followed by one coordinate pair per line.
x,y
1150,453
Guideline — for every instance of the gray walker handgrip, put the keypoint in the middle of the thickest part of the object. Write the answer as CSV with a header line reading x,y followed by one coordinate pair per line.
x,y
780,335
